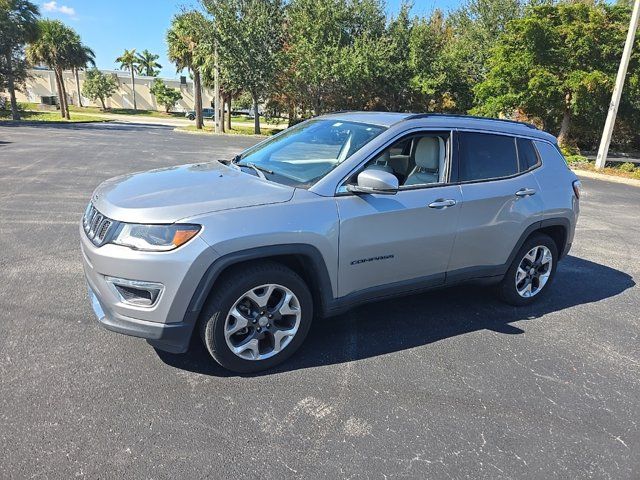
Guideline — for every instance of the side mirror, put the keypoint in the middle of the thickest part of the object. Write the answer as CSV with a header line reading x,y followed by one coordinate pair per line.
x,y
373,180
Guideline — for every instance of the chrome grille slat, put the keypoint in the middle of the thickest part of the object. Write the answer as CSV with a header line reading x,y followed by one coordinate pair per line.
x,y
96,225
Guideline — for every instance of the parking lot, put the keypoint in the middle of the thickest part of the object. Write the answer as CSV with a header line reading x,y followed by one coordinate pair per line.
x,y
449,384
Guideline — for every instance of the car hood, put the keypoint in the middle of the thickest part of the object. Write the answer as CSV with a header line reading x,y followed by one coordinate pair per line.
x,y
169,194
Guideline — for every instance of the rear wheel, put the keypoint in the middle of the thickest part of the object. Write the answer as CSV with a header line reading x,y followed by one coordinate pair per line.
x,y
531,271
191,117
257,317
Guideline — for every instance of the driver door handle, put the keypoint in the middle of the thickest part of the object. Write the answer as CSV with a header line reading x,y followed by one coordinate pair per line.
x,y
525,192
441,203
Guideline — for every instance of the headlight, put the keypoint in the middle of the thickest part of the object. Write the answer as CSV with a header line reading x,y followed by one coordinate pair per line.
x,y
154,238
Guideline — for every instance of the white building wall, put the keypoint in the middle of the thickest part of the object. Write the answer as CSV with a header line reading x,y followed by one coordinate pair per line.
x,y
42,83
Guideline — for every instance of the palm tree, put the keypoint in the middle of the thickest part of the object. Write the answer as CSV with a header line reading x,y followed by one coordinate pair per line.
x,y
79,57
147,64
53,48
185,42
18,25
129,60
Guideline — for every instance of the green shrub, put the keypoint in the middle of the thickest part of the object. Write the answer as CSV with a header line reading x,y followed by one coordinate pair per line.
x,y
575,159
570,150
627,167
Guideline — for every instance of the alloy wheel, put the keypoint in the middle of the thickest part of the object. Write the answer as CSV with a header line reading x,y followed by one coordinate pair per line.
x,y
534,271
262,322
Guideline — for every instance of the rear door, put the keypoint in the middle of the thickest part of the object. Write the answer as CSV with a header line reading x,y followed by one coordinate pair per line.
x,y
500,199
406,238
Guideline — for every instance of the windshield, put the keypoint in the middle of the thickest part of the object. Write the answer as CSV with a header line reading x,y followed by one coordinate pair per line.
x,y
303,154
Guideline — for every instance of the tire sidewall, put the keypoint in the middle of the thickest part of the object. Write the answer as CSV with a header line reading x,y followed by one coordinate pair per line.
x,y
221,305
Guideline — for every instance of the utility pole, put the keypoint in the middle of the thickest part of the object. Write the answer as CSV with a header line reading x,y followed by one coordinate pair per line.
x,y
601,159
216,92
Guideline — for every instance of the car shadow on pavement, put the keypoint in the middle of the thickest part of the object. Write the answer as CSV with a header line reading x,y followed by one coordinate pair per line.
x,y
389,326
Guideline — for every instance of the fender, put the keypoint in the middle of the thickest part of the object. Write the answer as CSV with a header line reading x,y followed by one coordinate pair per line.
x,y
314,264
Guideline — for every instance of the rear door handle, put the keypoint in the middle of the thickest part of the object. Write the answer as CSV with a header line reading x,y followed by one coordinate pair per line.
x,y
441,203
525,192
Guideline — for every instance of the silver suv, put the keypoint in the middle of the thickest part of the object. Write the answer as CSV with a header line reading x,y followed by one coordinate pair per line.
x,y
339,210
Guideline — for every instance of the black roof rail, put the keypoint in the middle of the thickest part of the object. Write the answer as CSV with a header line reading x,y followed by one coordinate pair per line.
x,y
457,115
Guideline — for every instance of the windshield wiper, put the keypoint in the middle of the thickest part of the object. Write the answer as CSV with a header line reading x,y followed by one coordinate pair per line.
x,y
257,169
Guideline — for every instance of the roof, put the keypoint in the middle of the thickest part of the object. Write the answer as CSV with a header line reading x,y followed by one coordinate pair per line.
x,y
443,120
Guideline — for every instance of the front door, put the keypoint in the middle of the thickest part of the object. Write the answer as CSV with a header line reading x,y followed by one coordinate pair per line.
x,y
404,238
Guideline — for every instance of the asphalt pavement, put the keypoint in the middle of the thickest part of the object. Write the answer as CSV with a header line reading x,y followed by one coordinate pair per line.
x,y
449,384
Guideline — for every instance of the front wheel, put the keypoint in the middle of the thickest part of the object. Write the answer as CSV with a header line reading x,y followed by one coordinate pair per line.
x,y
531,271
257,317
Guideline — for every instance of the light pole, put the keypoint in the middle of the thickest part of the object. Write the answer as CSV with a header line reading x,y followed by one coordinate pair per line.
x,y
216,93
601,159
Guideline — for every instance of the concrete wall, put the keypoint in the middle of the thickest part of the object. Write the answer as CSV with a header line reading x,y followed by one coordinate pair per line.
x,y
43,83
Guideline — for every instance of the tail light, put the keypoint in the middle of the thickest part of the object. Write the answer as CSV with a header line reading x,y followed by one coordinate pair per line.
x,y
577,187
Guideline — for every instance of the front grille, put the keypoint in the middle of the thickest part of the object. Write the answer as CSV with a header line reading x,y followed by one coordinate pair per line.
x,y
96,226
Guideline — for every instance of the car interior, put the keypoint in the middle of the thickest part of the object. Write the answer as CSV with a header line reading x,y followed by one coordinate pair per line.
x,y
417,160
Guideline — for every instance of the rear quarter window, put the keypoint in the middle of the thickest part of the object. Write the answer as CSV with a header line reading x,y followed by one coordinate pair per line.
x,y
527,154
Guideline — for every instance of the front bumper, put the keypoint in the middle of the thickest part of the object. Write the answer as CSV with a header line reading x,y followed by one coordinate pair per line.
x,y
164,324
171,337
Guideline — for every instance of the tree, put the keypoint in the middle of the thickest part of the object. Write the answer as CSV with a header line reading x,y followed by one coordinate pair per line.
x,y
249,38
98,86
165,95
557,63
316,34
18,26
54,47
129,60
147,64
185,40
79,57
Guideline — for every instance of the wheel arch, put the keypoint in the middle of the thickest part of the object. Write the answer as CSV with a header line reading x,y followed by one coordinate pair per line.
x,y
557,228
305,260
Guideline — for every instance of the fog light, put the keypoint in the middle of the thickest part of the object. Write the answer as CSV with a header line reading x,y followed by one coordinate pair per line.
x,y
135,292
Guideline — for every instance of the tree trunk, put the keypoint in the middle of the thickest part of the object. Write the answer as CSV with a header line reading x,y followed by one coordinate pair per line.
x,y
102,102
133,88
292,113
59,92
15,114
229,113
197,97
563,136
64,96
256,118
78,87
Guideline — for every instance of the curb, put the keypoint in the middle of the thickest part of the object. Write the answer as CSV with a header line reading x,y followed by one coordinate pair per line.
x,y
50,122
195,132
607,178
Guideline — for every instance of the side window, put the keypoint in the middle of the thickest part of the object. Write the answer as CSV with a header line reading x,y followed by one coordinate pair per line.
x,y
415,160
485,155
527,154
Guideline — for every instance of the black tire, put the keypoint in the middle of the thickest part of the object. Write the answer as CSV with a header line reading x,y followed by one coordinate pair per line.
x,y
229,289
191,117
507,290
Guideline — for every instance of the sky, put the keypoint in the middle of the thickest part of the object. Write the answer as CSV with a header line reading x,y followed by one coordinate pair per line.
x,y
108,27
